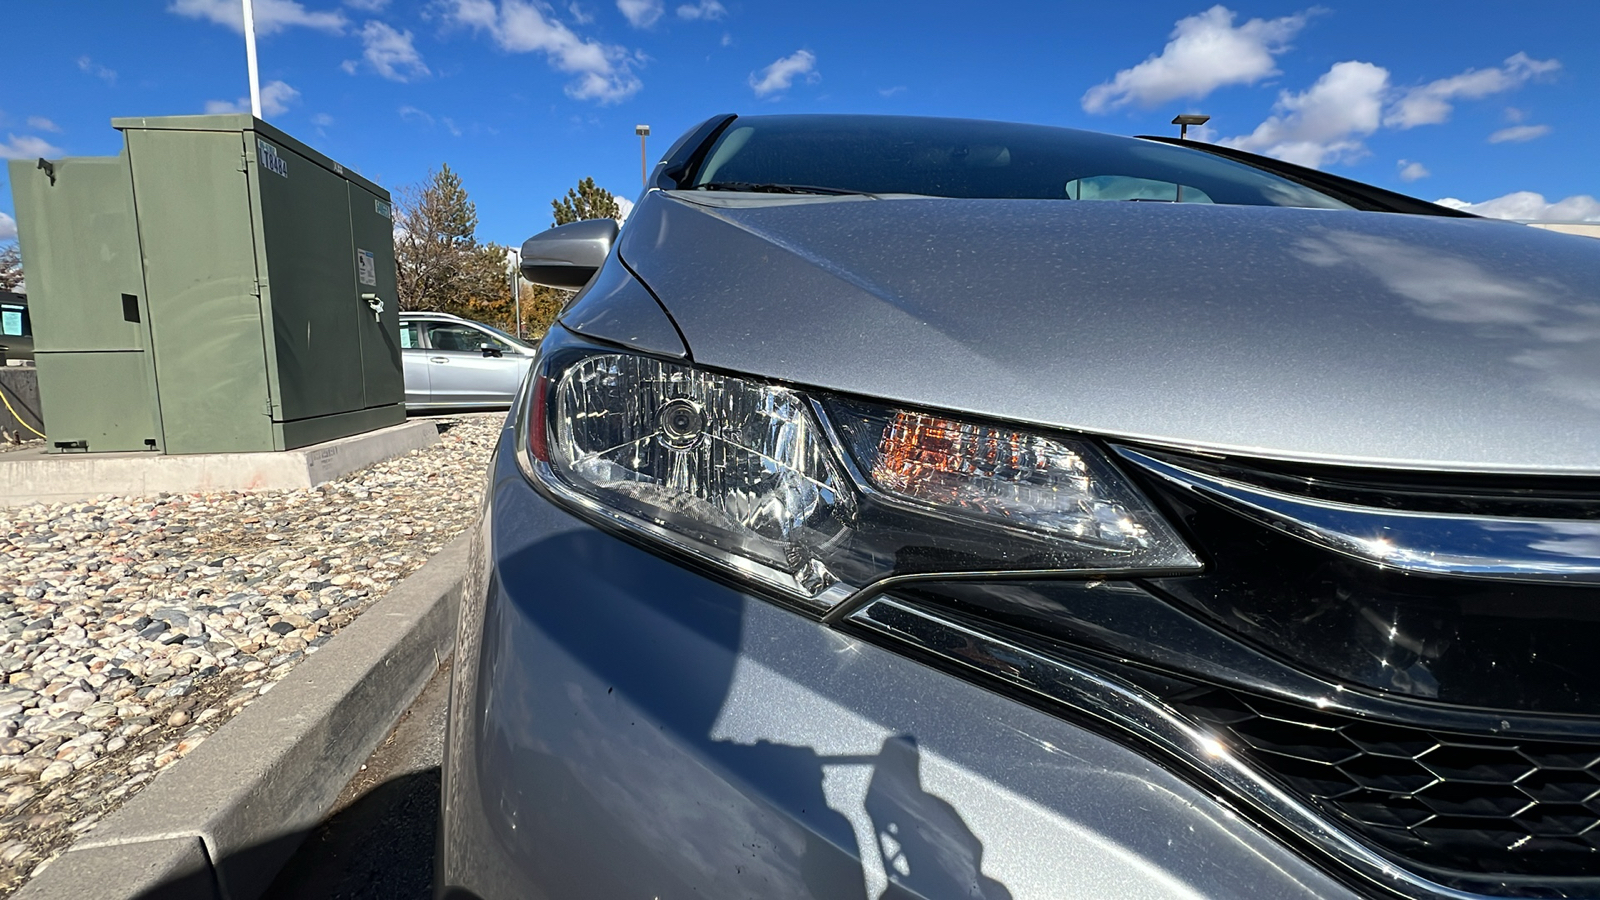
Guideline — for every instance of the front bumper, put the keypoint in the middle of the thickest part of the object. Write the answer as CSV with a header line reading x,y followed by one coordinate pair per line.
x,y
622,726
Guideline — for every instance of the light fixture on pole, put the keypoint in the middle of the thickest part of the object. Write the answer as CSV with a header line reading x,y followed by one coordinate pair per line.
x,y
1184,121
643,131
250,58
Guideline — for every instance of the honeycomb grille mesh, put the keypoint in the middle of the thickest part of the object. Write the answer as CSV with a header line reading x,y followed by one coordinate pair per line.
x,y
1479,805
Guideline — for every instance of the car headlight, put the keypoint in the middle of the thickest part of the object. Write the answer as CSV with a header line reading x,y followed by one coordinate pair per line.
x,y
819,496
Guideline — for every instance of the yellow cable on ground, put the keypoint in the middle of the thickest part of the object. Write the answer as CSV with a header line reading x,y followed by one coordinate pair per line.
x,y
16,415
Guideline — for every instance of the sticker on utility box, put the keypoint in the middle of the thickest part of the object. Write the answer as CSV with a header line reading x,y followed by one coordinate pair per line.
x,y
366,268
268,156
383,208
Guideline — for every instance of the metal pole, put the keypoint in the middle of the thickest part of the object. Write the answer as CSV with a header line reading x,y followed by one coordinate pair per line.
x,y
643,131
516,292
250,57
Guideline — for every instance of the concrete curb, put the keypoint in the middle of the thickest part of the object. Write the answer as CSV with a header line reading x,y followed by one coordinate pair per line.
x,y
221,822
35,476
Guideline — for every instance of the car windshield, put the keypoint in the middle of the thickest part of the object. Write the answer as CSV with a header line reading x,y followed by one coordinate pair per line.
x,y
976,159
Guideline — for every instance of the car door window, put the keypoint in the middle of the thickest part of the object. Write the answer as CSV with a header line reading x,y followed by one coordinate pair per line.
x,y
462,338
410,336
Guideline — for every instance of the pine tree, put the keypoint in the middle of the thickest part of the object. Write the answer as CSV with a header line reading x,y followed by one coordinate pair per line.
x,y
587,201
439,263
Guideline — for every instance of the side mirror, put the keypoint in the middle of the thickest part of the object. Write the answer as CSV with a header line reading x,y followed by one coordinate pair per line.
x,y
491,350
567,256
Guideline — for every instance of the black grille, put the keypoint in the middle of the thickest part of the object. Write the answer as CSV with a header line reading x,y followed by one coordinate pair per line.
x,y
1453,803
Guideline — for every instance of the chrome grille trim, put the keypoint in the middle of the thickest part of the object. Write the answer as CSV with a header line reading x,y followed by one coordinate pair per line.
x,y
1493,547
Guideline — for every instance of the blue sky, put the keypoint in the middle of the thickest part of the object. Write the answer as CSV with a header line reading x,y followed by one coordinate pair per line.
x,y
1491,104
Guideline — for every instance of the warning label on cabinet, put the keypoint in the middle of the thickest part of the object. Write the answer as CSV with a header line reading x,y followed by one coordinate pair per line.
x,y
366,268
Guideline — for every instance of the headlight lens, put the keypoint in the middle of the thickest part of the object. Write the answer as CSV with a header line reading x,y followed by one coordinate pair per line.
x,y
738,466
819,497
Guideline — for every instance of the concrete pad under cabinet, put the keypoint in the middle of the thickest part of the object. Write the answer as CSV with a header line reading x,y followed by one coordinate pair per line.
x,y
35,476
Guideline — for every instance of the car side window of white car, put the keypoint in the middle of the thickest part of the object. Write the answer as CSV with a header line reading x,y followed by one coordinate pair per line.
x,y
410,336
462,338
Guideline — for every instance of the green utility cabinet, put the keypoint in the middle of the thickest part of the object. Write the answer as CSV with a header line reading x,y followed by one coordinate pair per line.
x,y
217,287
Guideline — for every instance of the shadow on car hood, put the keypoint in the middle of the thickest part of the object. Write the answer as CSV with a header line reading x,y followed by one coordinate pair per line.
x,y
1301,334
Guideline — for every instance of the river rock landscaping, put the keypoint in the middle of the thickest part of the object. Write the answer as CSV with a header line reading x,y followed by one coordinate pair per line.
x,y
130,629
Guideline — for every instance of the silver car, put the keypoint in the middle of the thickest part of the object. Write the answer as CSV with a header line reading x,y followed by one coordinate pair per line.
x,y
451,362
924,508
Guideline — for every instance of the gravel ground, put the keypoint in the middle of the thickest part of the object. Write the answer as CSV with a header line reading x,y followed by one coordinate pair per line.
x,y
130,629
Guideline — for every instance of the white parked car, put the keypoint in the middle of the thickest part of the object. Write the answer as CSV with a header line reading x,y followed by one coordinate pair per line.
x,y
454,362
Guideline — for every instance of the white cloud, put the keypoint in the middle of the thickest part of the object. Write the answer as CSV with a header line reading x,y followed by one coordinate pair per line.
x,y
641,13
1206,52
579,14
1413,171
1519,133
367,5
891,91
1327,121
1432,103
85,64
409,113
8,228
322,120
781,74
624,207
605,71
27,147
1528,206
42,124
391,53
275,99
705,9
271,16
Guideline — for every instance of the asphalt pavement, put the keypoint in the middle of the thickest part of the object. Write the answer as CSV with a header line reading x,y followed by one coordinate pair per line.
x,y
378,841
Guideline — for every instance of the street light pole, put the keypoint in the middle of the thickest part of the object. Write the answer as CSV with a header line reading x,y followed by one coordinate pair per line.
x,y
250,58
516,291
643,131
1184,121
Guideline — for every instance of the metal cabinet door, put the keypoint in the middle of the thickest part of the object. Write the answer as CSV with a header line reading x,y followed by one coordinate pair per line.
x,y
201,273
315,322
372,232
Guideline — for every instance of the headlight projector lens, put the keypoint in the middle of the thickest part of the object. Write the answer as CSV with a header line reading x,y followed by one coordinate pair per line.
x,y
682,424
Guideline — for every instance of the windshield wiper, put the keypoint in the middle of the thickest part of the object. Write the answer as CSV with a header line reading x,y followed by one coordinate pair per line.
x,y
757,188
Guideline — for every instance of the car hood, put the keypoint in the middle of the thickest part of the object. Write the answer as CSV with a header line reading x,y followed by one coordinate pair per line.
x,y
1323,335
